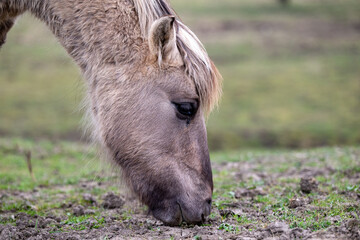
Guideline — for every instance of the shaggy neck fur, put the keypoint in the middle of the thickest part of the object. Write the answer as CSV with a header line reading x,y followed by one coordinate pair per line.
x,y
114,32
93,32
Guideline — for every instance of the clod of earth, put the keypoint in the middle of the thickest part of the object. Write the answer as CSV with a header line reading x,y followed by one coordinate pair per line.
x,y
249,192
226,213
308,184
112,201
89,198
78,210
278,229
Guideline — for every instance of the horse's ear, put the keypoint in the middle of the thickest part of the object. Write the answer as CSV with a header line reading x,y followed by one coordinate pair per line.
x,y
162,42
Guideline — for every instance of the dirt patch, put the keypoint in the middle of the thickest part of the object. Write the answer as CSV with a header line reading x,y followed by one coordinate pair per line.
x,y
266,196
112,201
308,184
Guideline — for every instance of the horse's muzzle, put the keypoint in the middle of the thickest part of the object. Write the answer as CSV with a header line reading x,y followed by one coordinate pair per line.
x,y
180,212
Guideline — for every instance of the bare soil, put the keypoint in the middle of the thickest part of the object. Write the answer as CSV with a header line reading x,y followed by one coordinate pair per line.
x,y
125,218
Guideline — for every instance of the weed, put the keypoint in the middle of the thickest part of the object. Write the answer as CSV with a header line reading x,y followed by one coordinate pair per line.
x,y
242,220
228,228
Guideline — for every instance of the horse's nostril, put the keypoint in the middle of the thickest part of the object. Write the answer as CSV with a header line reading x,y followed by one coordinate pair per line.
x,y
206,208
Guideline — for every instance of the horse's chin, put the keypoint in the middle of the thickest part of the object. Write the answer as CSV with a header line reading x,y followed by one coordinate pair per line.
x,y
169,216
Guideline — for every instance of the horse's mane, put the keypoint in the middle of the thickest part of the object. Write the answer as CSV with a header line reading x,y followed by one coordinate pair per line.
x,y
198,65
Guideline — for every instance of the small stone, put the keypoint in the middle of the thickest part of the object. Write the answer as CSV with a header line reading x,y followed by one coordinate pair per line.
x,y
249,192
297,233
89,198
114,228
66,205
237,211
296,202
308,184
89,212
278,228
50,221
226,213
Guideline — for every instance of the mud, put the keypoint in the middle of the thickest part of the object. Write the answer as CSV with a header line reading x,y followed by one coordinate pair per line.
x,y
114,216
143,227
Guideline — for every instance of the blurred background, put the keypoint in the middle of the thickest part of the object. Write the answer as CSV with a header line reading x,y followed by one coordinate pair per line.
x,y
291,74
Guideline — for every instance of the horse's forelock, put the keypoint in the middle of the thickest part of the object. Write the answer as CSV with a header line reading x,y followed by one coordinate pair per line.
x,y
198,65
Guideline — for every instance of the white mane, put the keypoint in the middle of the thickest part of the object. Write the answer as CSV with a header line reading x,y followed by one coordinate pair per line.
x,y
197,62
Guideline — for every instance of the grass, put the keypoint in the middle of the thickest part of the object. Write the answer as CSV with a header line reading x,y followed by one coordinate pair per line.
x,y
290,75
79,223
330,202
252,188
54,165
60,170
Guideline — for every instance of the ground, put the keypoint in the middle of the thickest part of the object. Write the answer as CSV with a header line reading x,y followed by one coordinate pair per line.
x,y
291,80
71,194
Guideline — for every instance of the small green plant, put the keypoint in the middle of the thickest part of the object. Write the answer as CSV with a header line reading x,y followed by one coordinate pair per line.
x,y
228,228
242,220
126,215
353,188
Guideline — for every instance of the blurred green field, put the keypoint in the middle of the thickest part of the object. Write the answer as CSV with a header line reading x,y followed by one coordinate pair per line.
x,y
291,74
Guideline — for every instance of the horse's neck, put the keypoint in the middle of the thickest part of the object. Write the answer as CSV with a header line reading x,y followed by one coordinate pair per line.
x,y
93,32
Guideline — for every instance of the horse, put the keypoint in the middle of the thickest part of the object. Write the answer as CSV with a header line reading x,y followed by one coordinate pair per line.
x,y
150,86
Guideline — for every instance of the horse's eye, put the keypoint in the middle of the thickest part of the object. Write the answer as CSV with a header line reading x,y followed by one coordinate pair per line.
x,y
186,109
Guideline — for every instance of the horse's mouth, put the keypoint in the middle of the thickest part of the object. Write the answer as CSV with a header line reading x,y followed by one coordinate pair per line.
x,y
184,219
181,214
178,214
